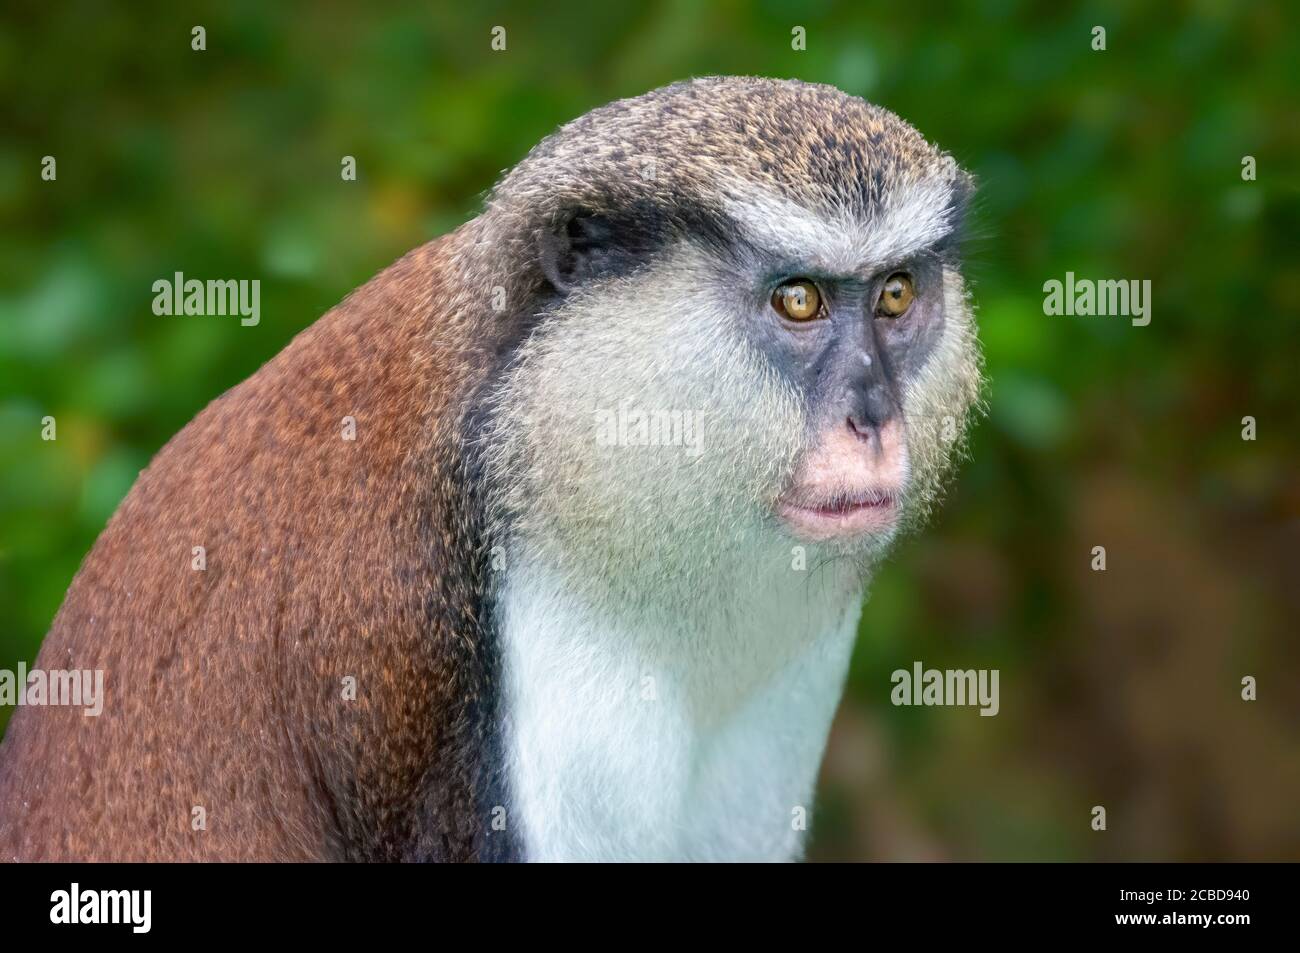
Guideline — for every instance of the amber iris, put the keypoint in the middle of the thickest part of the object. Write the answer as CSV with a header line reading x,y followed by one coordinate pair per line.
x,y
895,296
798,300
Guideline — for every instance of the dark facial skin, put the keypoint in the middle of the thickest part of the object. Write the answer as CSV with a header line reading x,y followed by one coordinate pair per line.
x,y
850,363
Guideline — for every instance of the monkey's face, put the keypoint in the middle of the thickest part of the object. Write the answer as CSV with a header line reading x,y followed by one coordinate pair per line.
x,y
766,345
724,396
868,323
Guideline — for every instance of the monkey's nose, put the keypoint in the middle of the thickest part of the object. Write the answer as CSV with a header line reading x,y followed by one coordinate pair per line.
x,y
863,430
869,413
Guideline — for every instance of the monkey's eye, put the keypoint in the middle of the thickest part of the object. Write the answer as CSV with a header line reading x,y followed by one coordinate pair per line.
x,y
896,296
798,300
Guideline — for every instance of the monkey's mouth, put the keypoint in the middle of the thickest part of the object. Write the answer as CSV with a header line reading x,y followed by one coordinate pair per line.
x,y
840,515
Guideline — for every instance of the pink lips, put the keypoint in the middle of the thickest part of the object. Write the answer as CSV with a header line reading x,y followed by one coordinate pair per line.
x,y
839,517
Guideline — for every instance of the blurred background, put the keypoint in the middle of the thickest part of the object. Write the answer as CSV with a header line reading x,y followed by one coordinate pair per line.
x,y
1119,688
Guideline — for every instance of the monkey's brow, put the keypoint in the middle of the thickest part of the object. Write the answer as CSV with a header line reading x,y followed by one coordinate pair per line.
x,y
920,218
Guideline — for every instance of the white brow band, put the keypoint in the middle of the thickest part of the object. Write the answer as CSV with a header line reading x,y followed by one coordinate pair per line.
x,y
913,219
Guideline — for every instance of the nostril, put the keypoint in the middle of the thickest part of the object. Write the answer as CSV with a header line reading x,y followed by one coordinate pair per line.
x,y
865,431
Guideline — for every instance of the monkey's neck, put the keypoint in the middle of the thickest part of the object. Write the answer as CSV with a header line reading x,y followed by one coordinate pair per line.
x,y
688,727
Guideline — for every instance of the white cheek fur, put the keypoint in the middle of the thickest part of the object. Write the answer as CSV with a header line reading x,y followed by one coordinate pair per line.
x,y
634,351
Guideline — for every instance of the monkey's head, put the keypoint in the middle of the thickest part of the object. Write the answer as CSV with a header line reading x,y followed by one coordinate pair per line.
x,y
747,328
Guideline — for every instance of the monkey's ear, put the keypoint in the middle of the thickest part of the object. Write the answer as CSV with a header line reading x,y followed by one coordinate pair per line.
x,y
962,195
576,250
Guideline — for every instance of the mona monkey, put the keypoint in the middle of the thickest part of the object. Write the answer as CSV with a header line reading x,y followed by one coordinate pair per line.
x,y
560,645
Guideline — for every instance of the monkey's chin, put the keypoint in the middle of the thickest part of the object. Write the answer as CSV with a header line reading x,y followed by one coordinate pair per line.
x,y
845,521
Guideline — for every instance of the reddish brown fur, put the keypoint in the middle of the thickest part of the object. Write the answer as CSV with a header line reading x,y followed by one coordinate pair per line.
x,y
224,687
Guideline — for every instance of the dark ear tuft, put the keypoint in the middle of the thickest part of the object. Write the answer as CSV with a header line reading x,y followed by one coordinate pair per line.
x,y
576,250
963,191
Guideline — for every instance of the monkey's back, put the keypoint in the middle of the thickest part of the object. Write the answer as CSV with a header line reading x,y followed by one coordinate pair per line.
x,y
225,731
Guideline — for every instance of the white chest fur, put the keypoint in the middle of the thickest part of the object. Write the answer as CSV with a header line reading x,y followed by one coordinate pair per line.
x,y
639,731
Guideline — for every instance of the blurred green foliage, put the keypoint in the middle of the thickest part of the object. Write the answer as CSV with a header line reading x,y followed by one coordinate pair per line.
x,y
1118,688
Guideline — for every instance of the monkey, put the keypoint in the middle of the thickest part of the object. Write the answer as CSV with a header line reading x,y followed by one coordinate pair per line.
x,y
626,449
